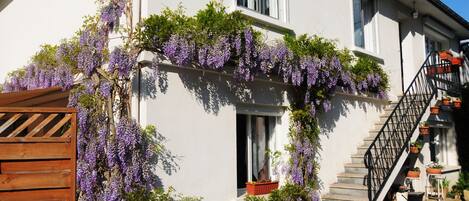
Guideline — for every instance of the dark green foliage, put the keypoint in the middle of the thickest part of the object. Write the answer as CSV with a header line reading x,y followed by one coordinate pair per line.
x,y
461,185
289,192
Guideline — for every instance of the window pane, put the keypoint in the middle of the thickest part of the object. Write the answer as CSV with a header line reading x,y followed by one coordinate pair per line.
x,y
358,23
260,138
243,3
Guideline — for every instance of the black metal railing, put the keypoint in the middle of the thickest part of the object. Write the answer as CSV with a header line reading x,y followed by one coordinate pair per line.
x,y
393,138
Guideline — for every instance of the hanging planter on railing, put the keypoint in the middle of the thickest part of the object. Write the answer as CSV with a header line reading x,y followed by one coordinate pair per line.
x,y
446,55
424,128
415,147
455,61
413,173
434,110
446,101
457,103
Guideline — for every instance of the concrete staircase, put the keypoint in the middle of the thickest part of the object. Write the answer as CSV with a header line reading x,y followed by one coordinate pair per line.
x,y
351,184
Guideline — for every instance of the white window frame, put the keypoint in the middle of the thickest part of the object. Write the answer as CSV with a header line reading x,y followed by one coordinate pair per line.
x,y
281,22
370,30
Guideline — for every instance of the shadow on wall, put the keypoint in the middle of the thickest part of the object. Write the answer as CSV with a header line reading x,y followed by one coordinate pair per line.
x,y
461,118
340,107
212,90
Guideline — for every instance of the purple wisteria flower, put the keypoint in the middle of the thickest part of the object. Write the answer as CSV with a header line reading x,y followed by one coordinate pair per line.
x,y
179,50
121,61
219,53
105,89
111,13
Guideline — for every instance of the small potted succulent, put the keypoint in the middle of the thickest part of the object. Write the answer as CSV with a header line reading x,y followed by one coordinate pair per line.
x,y
413,172
415,147
434,168
434,110
457,103
424,128
446,101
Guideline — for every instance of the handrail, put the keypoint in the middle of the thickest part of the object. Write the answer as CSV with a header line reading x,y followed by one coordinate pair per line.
x,y
386,148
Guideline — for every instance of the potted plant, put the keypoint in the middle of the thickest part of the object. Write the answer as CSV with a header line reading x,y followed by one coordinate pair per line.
x,y
441,69
265,185
455,61
434,110
446,101
457,103
446,55
261,187
424,128
445,187
413,172
431,71
415,147
434,168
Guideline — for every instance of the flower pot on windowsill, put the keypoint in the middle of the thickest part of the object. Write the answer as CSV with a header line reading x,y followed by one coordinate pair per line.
x,y
457,104
446,55
435,110
433,170
413,174
260,188
446,101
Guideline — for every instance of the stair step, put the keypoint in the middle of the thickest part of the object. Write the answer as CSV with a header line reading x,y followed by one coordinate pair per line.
x,y
355,168
362,149
359,158
352,178
349,189
336,197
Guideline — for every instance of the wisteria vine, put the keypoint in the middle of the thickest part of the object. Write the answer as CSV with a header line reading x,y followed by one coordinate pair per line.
x,y
116,157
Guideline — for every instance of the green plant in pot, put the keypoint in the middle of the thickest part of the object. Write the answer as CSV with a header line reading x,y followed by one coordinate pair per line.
x,y
424,128
416,146
434,168
461,188
413,172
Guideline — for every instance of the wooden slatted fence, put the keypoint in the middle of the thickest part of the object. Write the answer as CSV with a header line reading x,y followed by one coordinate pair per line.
x,y
37,153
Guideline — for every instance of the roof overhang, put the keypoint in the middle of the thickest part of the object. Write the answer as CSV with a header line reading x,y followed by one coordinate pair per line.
x,y
437,11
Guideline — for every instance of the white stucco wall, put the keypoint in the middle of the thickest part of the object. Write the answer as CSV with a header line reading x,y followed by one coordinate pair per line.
x,y
26,25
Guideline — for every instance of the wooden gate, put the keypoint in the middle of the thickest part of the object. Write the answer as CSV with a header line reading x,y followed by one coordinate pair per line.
x,y
37,153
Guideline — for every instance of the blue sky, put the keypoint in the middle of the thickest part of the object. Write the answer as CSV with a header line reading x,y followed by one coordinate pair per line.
x,y
460,6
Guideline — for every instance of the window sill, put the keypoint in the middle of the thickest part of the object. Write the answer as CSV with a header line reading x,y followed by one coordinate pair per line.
x,y
364,52
264,20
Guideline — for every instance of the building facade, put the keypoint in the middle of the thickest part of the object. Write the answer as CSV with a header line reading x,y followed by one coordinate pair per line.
x,y
209,125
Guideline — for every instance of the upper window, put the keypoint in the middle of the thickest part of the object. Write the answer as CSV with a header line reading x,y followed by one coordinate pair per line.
x,y
363,12
265,7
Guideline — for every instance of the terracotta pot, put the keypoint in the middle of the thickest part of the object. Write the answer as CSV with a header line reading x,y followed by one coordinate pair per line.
x,y
260,188
457,104
414,150
433,171
440,69
424,130
413,174
456,61
446,101
431,71
434,110
448,69
446,55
